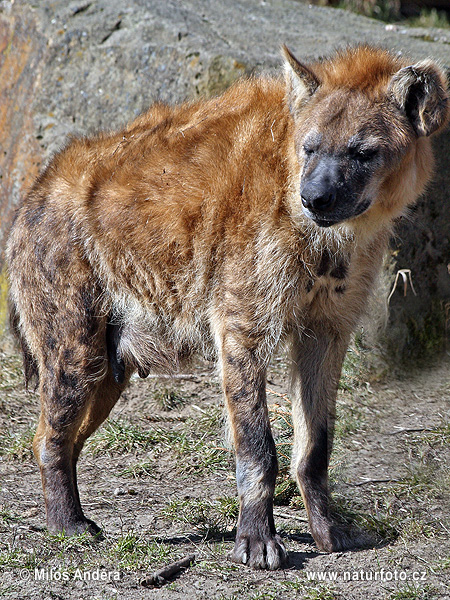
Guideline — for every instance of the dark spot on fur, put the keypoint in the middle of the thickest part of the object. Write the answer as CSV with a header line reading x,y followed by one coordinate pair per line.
x,y
68,380
339,271
50,342
315,465
68,355
340,289
324,265
34,215
309,285
240,395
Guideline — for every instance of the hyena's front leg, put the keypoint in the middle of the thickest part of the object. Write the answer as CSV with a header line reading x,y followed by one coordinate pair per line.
x,y
317,360
257,543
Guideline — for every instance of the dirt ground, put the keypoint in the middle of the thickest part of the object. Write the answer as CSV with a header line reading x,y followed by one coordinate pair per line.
x,y
159,479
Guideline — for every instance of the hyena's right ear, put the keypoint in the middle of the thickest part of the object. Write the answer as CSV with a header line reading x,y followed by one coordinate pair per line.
x,y
422,92
300,79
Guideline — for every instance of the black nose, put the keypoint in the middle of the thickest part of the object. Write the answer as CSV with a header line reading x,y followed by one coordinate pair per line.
x,y
318,197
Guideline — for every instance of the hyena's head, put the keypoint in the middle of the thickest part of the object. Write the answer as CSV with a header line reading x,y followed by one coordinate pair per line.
x,y
362,121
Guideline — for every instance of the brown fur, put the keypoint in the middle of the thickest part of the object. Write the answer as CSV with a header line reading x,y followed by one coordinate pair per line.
x,y
185,232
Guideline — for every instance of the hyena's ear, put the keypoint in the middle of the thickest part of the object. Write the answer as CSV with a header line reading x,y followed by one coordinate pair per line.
x,y
421,91
301,81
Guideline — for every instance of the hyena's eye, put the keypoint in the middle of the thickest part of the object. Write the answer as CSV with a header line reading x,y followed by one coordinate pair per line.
x,y
363,154
309,149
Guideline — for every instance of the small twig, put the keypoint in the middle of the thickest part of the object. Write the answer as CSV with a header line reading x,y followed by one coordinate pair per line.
x,y
410,430
283,418
288,516
366,481
284,396
160,577
176,375
164,418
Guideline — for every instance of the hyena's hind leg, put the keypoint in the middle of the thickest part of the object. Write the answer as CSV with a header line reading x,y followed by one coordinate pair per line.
x,y
78,390
317,361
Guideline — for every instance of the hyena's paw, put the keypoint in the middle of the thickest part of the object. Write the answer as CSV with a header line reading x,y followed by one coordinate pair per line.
x,y
76,526
266,553
337,538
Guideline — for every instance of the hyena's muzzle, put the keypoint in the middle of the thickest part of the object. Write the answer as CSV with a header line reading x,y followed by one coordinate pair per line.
x,y
334,189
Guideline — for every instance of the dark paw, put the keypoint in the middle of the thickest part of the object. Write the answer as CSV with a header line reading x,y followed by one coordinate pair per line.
x,y
76,527
336,538
267,553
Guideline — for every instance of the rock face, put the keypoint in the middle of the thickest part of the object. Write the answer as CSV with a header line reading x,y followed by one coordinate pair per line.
x,y
76,67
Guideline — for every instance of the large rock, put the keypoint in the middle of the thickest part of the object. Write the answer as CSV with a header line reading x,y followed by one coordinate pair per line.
x,y
79,66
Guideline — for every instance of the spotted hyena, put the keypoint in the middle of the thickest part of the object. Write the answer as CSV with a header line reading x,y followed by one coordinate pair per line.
x,y
221,226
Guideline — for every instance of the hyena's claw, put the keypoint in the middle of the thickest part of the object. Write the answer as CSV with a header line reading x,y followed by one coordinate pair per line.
x,y
267,553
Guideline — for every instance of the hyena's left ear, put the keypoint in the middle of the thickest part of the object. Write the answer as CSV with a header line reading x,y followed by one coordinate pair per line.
x,y
421,91
301,81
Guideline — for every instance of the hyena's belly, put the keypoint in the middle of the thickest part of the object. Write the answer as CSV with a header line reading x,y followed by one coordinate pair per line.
x,y
147,339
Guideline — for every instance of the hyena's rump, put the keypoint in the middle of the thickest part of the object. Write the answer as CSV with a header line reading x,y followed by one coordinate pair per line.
x,y
221,227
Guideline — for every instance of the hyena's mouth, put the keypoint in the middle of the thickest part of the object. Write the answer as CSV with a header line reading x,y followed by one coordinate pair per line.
x,y
337,217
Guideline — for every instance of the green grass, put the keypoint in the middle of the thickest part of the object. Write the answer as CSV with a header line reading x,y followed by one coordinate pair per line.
x,y
7,516
413,592
145,468
11,373
208,517
133,552
321,592
168,399
196,445
122,437
17,444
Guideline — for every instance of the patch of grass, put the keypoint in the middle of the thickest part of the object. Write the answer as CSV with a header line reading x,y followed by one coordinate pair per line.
x,y
428,476
71,543
132,552
168,399
17,559
444,563
6,516
440,436
17,445
413,592
195,444
199,445
145,468
11,374
376,9
122,437
283,428
210,518
263,596
321,592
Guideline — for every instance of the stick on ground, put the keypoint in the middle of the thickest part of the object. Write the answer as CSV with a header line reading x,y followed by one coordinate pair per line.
x,y
160,577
